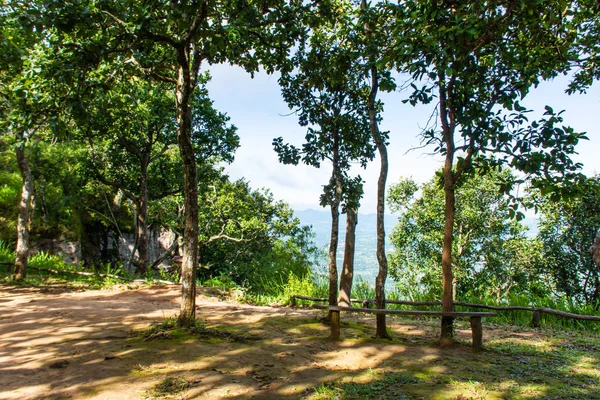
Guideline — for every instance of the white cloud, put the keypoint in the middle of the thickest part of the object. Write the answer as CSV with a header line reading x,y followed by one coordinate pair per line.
x,y
256,107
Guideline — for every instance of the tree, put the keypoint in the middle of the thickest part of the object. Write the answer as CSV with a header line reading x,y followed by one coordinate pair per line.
x,y
490,256
130,131
585,51
170,41
329,100
249,238
567,229
130,128
374,40
28,105
479,59
354,192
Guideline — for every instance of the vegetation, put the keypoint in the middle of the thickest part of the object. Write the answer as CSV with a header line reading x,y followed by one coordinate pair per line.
x,y
492,257
108,132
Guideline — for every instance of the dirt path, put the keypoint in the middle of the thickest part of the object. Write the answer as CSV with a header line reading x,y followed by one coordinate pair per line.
x,y
58,344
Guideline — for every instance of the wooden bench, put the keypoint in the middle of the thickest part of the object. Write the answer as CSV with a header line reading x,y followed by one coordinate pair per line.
x,y
475,318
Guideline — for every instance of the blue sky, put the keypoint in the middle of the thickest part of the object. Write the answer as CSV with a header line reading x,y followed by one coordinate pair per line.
x,y
258,110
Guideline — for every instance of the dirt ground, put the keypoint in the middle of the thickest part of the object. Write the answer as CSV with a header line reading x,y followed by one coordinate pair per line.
x,y
61,344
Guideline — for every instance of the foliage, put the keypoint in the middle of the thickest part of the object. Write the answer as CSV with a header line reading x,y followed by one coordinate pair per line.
x,y
7,255
246,235
585,51
10,192
59,177
491,255
331,101
567,231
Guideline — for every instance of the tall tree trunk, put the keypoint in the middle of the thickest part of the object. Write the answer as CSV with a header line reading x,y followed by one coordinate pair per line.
x,y
448,126
333,246
447,276
336,181
190,191
348,265
142,220
381,331
595,250
22,249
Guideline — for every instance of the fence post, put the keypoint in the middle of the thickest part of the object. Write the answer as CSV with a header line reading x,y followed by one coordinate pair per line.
x,y
477,333
335,324
536,318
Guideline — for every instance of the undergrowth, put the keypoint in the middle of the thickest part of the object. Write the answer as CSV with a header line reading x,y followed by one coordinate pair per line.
x,y
316,285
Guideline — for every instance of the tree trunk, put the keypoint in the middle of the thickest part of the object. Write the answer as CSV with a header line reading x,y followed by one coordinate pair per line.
x,y
22,249
190,191
454,286
381,331
348,266
595,250
447,276
336,181
333,245
448,126
142,221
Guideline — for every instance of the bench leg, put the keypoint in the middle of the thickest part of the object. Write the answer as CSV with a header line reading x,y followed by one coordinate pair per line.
x,y
335,325
477,333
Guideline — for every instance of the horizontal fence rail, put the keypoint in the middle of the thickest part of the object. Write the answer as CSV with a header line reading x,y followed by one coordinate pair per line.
x,y
536,318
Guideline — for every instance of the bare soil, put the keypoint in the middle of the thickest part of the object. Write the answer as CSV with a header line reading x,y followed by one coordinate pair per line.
x,y
62,344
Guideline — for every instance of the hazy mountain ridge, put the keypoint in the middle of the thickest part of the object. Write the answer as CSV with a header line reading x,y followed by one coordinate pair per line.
x,y
365,259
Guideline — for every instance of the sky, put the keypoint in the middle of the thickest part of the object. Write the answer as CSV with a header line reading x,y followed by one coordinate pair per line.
x,y
257,108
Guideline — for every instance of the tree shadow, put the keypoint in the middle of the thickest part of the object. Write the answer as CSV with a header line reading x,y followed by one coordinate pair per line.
x,y
266,353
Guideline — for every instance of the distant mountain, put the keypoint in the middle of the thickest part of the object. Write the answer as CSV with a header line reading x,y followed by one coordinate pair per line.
x,y
365,259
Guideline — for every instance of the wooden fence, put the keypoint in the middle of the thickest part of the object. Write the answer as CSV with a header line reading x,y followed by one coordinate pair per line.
x,y
535,319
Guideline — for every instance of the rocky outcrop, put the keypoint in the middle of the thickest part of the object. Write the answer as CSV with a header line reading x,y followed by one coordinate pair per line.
x,y
69,250
108,248
595,250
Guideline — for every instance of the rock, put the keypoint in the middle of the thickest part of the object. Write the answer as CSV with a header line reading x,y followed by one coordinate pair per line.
x,y
59,364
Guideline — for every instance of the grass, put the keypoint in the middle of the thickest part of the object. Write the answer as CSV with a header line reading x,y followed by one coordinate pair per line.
x,y
38,274
546,366
37,278
168,328
384,385
519,362
172,387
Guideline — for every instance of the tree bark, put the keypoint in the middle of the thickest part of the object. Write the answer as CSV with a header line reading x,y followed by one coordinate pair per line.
x,y
381,331
190,190
448,127
336,181
348,266
447,276
22,250
142,220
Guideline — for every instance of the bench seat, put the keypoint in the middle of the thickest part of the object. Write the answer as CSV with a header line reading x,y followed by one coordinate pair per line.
x,y
475,318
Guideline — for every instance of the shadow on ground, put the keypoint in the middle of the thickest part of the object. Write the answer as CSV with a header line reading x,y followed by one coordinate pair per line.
x,y
84,345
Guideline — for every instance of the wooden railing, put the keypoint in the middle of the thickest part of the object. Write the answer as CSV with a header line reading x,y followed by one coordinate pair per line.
x,y
536,311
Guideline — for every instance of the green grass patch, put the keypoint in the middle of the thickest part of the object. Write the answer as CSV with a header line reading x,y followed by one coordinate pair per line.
x,y
168,328
172,387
